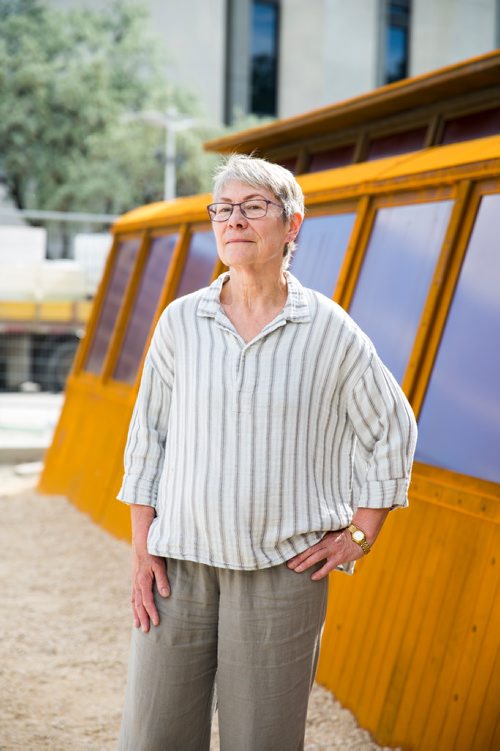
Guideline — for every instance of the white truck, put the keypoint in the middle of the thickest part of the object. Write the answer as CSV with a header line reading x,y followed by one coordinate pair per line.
x,y
44,305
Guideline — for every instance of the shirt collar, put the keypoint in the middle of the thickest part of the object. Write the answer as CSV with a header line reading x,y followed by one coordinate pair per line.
x,y
296,307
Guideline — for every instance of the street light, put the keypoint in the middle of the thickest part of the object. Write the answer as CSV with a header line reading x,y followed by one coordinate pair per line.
x,y
173,122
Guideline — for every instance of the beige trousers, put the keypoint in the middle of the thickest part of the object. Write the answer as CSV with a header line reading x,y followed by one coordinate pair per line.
x,y
253,634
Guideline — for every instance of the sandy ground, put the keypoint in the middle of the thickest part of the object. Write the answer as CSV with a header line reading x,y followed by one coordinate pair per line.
x,y
65,629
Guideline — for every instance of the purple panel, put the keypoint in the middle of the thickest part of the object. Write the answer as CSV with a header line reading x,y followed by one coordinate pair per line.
x,y
459,426
475,125
144,307
396,143
125,257
396,275
321,246
200,263
339,157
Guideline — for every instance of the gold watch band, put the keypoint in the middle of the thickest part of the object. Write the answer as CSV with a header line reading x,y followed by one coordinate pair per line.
x,y
359,538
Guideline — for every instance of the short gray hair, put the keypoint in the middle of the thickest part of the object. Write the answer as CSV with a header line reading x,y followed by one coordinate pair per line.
x,y
259,173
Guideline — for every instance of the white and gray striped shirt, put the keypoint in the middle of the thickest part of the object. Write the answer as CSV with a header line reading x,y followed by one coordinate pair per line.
x,y
249,452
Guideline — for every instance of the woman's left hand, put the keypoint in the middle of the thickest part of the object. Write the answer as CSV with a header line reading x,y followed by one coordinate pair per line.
x,y
334,548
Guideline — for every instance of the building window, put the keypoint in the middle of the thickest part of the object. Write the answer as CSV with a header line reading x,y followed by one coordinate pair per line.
x,y
264,57
397,35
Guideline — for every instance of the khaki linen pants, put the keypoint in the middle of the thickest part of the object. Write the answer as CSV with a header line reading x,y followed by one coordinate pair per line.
x,y
255,634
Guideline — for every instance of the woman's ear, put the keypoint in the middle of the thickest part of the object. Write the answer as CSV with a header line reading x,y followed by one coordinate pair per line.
x,y
295,223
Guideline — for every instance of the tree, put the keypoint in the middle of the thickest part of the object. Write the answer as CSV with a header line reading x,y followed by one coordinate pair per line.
x,y
68,80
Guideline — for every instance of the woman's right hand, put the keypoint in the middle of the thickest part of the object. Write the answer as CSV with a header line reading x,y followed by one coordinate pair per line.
x,y
146,570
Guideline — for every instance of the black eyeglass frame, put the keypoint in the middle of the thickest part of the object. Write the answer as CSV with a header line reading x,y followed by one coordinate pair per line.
x,y
241,204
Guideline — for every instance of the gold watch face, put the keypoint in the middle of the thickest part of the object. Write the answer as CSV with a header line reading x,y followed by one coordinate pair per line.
x,y
358,536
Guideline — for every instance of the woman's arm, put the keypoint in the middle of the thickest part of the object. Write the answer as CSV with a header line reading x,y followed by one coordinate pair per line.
x,y
144,459
146,569
337,548
386,430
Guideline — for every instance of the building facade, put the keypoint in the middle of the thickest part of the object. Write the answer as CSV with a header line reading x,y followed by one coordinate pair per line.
x,y
283,57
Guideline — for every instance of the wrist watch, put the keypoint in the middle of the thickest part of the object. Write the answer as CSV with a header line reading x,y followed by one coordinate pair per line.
x,y
359,538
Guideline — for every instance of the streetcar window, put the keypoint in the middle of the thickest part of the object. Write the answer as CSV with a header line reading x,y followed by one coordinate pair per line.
x,y
396,275
199,266
144,307
123,264
321,246
459,426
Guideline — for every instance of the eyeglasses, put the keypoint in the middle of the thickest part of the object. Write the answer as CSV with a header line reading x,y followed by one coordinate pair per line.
x,y
255,208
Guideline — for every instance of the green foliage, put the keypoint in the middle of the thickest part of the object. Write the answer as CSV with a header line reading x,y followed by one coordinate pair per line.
x,y
68,81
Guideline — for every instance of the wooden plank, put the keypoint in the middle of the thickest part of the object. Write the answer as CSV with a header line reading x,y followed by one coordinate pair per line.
x,y
409,720
61,458
458,724
495,744
388,667
337,636
481,706
476,503
372,600
475,539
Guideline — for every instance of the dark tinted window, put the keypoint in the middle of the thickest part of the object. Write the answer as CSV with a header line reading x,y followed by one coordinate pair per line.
x,y
200,263
144,308
396,275
459,426
321,246
337,157
396,143
475,125
123,263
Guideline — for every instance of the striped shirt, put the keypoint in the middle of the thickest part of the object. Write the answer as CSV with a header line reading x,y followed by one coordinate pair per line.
x,y
250,452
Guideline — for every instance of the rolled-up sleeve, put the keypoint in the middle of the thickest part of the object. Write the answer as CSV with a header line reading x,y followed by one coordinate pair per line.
x,y
145,448
386,430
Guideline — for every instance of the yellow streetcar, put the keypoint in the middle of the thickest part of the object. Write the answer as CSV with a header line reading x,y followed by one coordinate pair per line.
x,y
402,228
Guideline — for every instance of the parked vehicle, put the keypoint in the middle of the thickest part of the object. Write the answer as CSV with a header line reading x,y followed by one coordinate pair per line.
x,y
44,305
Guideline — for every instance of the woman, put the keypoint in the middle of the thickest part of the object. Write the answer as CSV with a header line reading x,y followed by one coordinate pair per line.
x,y
267,446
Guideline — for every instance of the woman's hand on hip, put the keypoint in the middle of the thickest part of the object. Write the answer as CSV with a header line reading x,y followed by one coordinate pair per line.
x,y
146,570
334,548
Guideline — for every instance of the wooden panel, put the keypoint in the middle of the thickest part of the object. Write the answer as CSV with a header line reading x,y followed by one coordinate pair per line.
x,y
462,706
410,642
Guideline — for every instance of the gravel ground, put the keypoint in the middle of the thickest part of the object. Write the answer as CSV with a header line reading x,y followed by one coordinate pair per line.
x,y
65,628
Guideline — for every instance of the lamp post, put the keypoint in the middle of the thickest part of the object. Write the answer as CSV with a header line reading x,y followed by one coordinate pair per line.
x,y
173,122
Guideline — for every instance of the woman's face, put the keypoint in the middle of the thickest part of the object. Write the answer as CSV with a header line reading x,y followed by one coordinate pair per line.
x,y
253,243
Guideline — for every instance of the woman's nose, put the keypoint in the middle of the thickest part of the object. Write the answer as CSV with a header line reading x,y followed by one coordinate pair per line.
x,y
237,218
